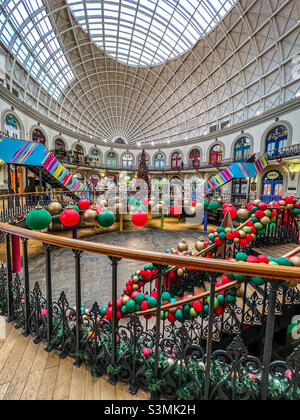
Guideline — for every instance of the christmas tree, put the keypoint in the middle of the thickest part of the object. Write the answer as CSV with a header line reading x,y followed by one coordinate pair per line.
x,y
143,171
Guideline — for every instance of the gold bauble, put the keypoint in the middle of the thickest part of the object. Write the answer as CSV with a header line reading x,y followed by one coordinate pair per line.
x,y
296,261
256,202
282,203
236,240
103,203
125,299
89,216
135,279
135,287
265,220
243,214
54,208
290,206
182,246
253,236
199,245
242,234
138,272
173,310
220,200
291,283
180,272
216,234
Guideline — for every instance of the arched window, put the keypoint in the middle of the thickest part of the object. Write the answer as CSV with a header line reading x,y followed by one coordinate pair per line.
x,y
242,149
159,161
216,154
120,141
95,155
127,161
59,144
12,127
78,153
111,159
176,160
38,136
277,139
272,186
194,158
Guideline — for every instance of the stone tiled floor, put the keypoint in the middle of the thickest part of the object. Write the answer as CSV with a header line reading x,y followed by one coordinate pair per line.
x,y
96,269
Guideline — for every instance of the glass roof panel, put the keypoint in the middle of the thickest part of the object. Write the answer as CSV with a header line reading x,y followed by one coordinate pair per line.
x,y
26,30
176,25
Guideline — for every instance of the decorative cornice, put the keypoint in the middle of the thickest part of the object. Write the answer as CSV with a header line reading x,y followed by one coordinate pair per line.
x,y
6,95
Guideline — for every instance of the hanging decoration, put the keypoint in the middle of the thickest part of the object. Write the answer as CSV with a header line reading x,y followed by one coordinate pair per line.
x,y
38,219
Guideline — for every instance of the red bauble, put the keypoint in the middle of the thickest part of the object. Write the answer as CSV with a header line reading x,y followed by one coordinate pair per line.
x,y
262,206
69,217
119,315
219,310
249,237
297,205
263,259
231,210
259,214
171,317
148,274
198,306
227,205
218,241
229,236
235,233
139,218
252,259
83,204
144,305
289,199
154,294
243,243
194,203
146,352
109,313
175,210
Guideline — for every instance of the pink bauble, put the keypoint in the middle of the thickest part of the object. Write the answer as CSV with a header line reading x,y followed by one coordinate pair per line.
x,y
175,210
96,207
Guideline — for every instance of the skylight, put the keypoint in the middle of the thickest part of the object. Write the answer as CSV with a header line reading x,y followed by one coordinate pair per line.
x,y
148,32
27,32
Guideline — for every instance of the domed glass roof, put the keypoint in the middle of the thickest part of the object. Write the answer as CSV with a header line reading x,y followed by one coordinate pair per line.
x,y
148,32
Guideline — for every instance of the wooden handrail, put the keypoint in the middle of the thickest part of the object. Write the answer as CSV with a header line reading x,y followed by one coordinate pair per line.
x,y
203,264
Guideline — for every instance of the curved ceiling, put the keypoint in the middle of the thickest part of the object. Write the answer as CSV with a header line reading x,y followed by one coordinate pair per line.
x,y
244,66
147,32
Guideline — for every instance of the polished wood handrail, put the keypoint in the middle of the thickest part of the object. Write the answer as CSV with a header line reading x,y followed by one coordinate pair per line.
x,y
203,264
3,196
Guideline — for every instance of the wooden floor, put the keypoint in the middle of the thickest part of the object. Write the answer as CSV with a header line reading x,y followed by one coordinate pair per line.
x,y
28,372
276,251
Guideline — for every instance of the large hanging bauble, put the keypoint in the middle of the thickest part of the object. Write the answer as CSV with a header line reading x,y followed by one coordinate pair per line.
x,y
96,207
106,219
200,244
38,219
54,208
69,217
243,214
83,204
182,245
295,260
76,208
176,210
139,218
89,216
214,205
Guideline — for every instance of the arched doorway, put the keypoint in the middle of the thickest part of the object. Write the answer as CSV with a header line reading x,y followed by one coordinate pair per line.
x,y
272,186
38,136
12,127
216,155
194,159
276,140
242,149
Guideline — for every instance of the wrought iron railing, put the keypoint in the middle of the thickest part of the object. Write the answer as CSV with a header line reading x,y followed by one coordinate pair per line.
x,y
205,359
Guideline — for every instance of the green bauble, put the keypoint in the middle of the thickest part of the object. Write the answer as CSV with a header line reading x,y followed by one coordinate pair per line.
x,y
220,229
206,204
179,315
257,281
152,302
284,261
106,219
255,219
166,296
139,298
230,276
214,206
258,226
240,277
103,311
222,236
163,315
76,208
216,302
296,211
221,299
228,230
230,299
193,313
123,310
247,229
38,219
130,306
186,309
206,309
241,256
268,213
